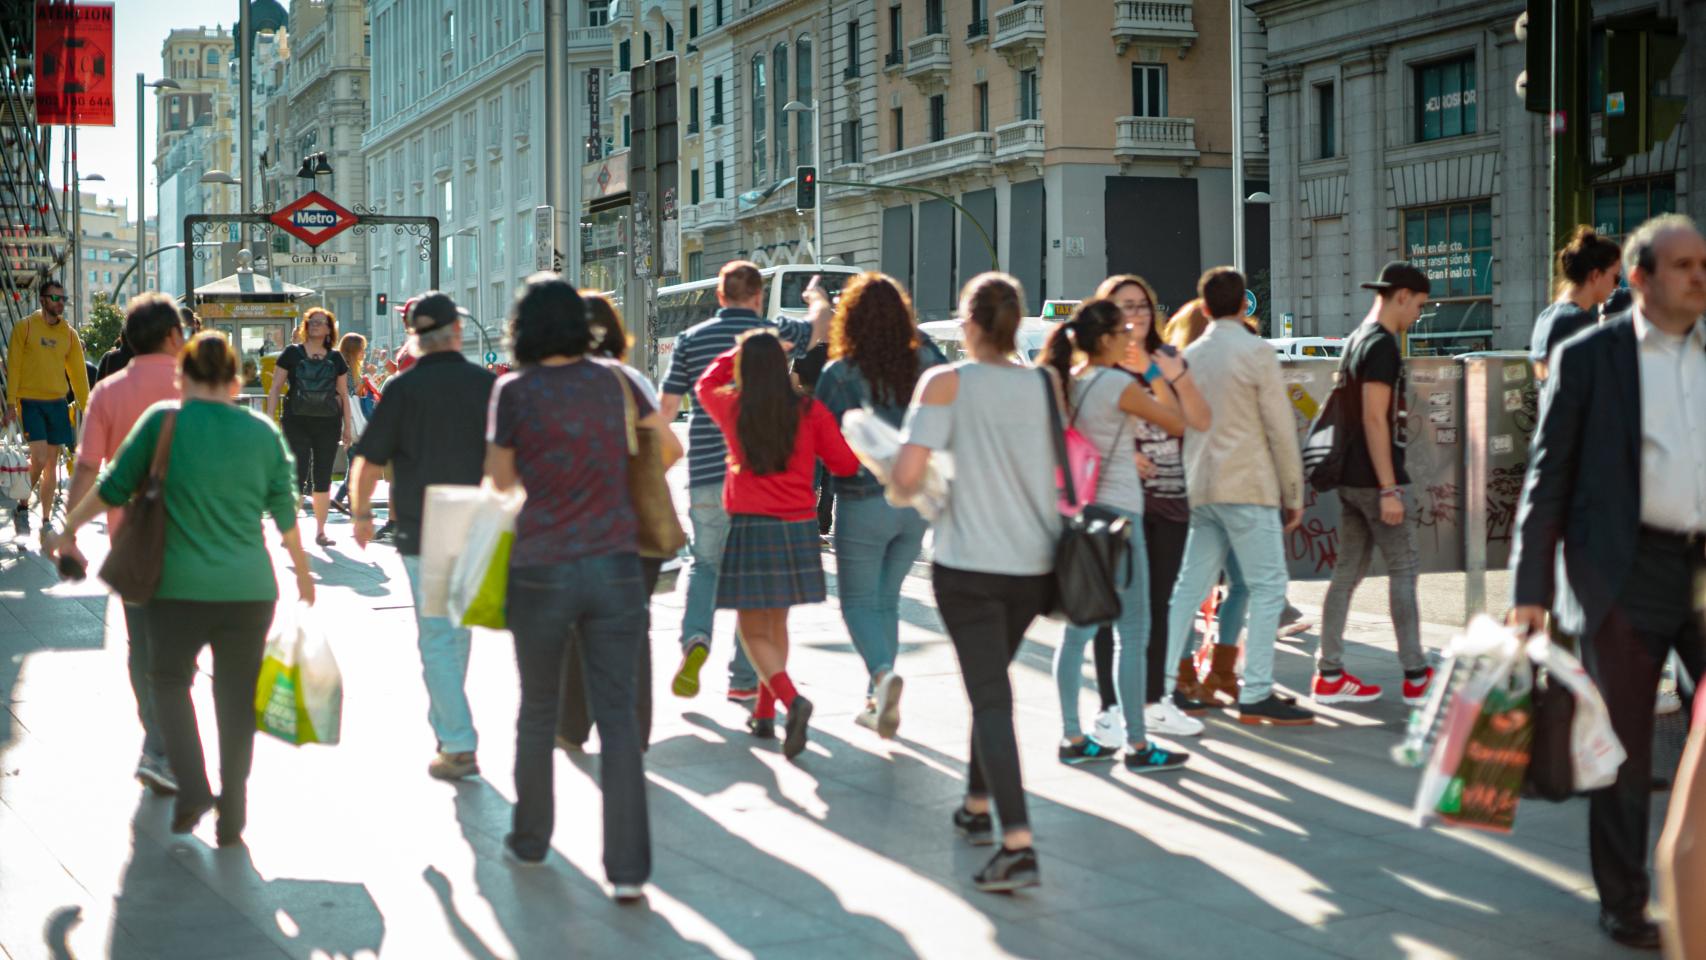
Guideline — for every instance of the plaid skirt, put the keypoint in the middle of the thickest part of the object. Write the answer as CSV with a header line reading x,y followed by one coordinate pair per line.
x,y
769,564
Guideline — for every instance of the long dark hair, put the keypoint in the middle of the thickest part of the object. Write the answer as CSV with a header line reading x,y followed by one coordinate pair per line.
x,y
1152,340
1091,323
547,319
609,337
770,407
873,330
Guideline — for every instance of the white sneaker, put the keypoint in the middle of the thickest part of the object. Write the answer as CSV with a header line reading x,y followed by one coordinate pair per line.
x,y
1109,730
1165,719
867,717
1669,702
888,704
627,892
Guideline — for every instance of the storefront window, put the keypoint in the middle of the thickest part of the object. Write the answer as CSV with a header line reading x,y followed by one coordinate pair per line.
x,y
1618,208
603,249
1453,244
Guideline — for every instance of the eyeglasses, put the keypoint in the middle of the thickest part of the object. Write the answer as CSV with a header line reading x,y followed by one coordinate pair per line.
x,y
54,297
317,322
1138,308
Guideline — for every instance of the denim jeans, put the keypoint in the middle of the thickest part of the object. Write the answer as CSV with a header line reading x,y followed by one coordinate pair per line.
x,y
1360,533
602,600
1131,645
710,531
875,545
1249,536
136,625
444,665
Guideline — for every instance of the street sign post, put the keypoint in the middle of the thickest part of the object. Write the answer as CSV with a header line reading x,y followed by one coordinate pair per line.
x,y
1250,303
491,356
314,218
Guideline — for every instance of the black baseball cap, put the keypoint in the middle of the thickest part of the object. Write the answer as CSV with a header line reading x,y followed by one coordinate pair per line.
x,y
431,311
1401,275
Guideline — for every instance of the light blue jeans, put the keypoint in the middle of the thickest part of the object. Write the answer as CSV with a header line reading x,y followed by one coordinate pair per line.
x,y
444,665
1248,539
710,531
875,545
1131,643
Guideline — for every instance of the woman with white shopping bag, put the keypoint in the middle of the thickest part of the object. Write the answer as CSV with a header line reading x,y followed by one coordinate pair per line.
x,y
558,428
219,469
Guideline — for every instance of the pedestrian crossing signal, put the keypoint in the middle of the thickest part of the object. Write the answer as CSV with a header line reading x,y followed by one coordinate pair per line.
x,y
805,188
379,300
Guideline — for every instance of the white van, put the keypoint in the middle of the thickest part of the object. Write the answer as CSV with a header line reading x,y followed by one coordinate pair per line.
x,y
681,305
950,336
1289,347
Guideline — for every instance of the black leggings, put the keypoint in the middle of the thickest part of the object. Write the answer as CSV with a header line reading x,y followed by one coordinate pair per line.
x,y
1164,541
574,723
987,615
314,443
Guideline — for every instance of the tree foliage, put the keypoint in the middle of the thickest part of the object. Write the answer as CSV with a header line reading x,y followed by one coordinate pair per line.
x,y
102,330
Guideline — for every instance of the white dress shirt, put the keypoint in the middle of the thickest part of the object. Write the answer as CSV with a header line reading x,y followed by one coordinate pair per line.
x,y
1673,426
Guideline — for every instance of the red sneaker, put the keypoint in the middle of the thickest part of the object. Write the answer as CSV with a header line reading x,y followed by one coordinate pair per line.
x,y
743,694
1343,689
1416,691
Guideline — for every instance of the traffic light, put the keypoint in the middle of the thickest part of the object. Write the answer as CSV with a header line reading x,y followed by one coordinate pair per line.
x,y
805,188
1639,55
1534,29
379,301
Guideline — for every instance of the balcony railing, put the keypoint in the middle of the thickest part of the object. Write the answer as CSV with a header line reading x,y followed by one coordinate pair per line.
x,y
620,85
1019,141
1153,22
977,30
1020,26
441,163
894,58
589,38
715,213
955,154
1137,138
850,72
693,128
927,58
689,217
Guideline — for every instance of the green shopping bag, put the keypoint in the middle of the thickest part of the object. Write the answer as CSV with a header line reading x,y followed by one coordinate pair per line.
x,y
299,696
486,607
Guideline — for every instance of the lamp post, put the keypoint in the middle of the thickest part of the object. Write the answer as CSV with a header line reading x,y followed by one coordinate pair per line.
x,y
473,233
795,106
77,182
141,218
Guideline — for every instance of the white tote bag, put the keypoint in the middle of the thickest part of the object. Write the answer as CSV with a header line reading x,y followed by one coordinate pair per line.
x,y
448,513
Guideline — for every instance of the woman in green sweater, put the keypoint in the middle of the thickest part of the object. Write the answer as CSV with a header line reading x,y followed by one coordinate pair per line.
x,y
226,469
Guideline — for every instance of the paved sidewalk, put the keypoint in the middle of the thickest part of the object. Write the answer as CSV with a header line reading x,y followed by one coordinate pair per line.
x,y
1273,844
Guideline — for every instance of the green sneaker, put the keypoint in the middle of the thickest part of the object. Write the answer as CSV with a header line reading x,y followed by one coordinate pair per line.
x,y
686,683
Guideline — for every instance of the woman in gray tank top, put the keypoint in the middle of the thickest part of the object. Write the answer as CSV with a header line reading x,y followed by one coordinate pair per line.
x,y
995,544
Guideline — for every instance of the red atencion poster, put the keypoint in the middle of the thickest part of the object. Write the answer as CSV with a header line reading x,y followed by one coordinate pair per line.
x,y
74,63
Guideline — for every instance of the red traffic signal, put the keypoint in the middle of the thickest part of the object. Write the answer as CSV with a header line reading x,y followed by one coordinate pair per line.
x,y
805,188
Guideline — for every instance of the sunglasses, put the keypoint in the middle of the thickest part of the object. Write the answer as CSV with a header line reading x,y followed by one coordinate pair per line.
x,y
54,297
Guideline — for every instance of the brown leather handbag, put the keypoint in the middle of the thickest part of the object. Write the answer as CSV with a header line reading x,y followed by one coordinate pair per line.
x,y
661,534
132,567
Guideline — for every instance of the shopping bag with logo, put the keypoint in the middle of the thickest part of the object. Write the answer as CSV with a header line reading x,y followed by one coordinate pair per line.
x,y
479,581
300,696
14,466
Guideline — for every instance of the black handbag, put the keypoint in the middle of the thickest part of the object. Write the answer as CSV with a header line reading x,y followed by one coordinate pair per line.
x,y
1092,544
1551,773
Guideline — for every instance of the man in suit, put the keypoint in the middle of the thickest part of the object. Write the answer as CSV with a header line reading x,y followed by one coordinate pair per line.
x,y
1617,476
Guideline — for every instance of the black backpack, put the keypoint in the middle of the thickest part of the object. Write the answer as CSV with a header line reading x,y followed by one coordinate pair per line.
x,y
314,387
1326,446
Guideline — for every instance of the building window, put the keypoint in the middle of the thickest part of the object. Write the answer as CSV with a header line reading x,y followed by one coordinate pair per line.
x,y
624,56
938,118
598,14
779,68
894,30
669,36
627,130
1148,90
852,141
1445,99
759,121
692,109
646,46
805,126
1326,119
719,12
853,42
1030,95
693,185
981,105
692,22
1453,244
716,101
212,57
933,17
696,265
717,181
1619,208
897,128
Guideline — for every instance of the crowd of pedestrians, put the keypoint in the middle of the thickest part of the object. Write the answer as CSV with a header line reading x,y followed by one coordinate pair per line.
x,y
1199,468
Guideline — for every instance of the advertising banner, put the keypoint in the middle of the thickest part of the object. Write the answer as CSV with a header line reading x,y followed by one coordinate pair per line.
x,y
74,64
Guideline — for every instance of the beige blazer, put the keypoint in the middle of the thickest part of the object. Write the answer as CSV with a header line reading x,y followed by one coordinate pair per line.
x,y
1250,454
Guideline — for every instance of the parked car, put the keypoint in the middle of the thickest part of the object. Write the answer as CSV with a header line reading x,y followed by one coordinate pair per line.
x,y
1288,347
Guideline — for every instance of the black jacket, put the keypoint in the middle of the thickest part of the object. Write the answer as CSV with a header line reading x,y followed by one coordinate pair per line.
x,y
1584,481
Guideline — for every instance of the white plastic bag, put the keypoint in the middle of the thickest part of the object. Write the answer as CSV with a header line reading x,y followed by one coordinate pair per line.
x,y
494,516
14,466
448,513
300,696
1595,751
877,445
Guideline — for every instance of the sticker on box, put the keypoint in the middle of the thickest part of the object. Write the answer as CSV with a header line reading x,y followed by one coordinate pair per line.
x,y
1501,444
1451,373
1444,435
1513,400
1439,399
1443,417
1516,371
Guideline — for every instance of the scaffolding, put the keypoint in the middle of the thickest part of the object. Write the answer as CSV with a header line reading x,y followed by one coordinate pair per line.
x,y
33,239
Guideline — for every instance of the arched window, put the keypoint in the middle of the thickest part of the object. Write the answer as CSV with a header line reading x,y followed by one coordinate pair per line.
x,y
779,68
212,57
803,93
759,146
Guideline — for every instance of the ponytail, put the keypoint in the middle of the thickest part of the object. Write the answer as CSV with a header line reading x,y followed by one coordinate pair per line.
x,y
1058,352
1093,322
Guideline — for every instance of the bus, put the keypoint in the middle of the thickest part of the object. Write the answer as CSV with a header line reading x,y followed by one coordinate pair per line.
x,y
682,305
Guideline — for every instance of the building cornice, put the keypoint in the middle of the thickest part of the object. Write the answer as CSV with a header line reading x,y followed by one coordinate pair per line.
x,y
771,10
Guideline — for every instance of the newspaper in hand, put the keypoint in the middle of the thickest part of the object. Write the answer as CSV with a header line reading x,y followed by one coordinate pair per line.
x,y
877,445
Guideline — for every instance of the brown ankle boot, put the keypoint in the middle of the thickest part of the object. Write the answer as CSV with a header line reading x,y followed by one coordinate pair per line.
x,y
1222,679
1188,686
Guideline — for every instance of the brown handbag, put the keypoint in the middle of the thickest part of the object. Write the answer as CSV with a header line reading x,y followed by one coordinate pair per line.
x,y
661,534
132,567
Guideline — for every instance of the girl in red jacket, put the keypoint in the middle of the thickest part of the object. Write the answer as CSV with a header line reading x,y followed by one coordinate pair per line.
x,y
772,559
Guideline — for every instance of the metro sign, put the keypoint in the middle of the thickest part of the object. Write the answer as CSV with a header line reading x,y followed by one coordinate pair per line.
x,y
314,218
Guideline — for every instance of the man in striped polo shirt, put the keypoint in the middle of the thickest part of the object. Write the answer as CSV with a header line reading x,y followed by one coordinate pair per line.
x,y
740,291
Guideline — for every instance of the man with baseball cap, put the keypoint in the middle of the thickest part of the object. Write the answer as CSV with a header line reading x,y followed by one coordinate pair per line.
x,y
430,425
1373,489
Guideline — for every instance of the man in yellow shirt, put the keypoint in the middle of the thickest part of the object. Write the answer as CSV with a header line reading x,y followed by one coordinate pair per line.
x,y
44,359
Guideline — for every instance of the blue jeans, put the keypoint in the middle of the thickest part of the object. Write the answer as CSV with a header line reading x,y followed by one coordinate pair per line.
x,y
602,602
1246,538
875,545
1131,645
444,665
1235,609
710,531
136,625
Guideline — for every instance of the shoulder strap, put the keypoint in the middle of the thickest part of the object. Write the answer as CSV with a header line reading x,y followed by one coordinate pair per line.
x,y
1058,434
628,411
163,446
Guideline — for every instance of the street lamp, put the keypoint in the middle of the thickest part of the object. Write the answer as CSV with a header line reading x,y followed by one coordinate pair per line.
x,y
795,106
219,176
314,165
141,218
473,233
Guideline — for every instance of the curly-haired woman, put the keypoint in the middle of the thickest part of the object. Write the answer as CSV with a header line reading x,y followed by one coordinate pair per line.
x,y
877,357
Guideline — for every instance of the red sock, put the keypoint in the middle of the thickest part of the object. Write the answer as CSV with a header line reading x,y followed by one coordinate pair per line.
x,y
783,687
766,706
